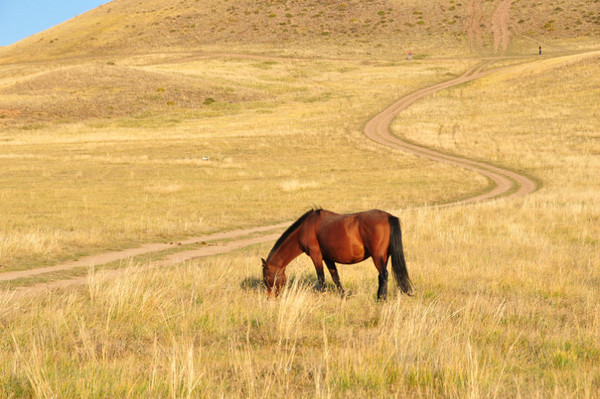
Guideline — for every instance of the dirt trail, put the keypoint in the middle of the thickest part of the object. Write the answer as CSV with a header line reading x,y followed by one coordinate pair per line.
x,y
500,24
167,261
507,183
109,257
473,25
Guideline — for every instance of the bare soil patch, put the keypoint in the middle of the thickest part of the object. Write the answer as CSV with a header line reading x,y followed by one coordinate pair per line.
x,y
473,25
500,25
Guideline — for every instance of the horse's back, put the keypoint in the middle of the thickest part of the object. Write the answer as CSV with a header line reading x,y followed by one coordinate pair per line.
x,y
367,220
353,237
373,216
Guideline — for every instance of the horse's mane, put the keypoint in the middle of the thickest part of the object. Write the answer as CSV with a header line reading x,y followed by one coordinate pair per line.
x,y
290,230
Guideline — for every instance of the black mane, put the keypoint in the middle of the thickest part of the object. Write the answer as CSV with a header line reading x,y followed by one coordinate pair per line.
x,y
289,231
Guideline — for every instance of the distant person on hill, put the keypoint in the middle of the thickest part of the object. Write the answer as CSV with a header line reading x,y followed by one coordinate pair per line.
x,y
540,50
409,55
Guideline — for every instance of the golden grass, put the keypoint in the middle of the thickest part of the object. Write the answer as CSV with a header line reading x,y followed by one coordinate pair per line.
x,y
97,90
501,310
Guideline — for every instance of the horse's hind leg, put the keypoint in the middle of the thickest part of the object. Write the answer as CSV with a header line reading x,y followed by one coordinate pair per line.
x,y
334,275
381,265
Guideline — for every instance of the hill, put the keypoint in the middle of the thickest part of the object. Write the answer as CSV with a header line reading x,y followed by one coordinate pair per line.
x,y
392,26
84,68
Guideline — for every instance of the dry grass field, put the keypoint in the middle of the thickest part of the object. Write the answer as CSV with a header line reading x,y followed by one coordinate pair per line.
x,y
153,122
283,136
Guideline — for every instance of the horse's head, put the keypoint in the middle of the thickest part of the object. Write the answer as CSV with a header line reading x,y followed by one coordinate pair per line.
x,y
273,278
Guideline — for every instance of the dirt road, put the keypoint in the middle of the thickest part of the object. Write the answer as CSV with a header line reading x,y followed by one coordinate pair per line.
x,y
507,183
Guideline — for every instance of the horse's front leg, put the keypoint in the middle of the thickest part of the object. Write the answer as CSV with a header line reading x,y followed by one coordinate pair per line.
x,y
334,275
317,258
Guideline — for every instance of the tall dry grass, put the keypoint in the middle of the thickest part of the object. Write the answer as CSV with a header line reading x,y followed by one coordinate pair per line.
x,y
501,310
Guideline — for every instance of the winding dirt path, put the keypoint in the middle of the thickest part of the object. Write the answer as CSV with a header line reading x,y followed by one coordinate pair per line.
x,y
506,181
507,184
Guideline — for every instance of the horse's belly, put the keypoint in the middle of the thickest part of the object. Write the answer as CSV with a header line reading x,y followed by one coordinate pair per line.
x,y
346,254
340,241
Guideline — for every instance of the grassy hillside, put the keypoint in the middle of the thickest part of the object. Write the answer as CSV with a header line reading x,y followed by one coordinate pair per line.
x,y
384,27
99,64
97,90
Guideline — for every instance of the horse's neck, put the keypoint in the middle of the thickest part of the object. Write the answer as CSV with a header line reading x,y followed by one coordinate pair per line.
x,y
288,250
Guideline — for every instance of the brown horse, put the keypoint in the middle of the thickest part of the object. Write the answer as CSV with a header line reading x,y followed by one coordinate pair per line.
x,y
327,236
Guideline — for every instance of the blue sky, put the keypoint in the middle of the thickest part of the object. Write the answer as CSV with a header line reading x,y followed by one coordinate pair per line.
x,y
22,18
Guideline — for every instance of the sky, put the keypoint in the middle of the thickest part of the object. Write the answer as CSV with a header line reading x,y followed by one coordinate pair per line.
x,y
22,18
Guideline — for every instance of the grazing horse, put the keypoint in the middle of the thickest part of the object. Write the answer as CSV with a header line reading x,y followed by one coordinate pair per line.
x,y
330,237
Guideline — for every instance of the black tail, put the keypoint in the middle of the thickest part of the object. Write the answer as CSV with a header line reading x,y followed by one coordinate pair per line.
x,y
397,254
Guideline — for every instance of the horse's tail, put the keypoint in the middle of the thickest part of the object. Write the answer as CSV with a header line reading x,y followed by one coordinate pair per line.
x,y
397,254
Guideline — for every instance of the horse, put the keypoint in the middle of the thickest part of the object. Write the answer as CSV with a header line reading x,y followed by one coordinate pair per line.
x,y
346,239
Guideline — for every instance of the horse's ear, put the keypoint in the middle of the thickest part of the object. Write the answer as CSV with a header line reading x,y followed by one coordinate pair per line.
x,y
264,262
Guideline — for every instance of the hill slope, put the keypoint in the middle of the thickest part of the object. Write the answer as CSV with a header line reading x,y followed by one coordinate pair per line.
x,y
68,72
440,26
